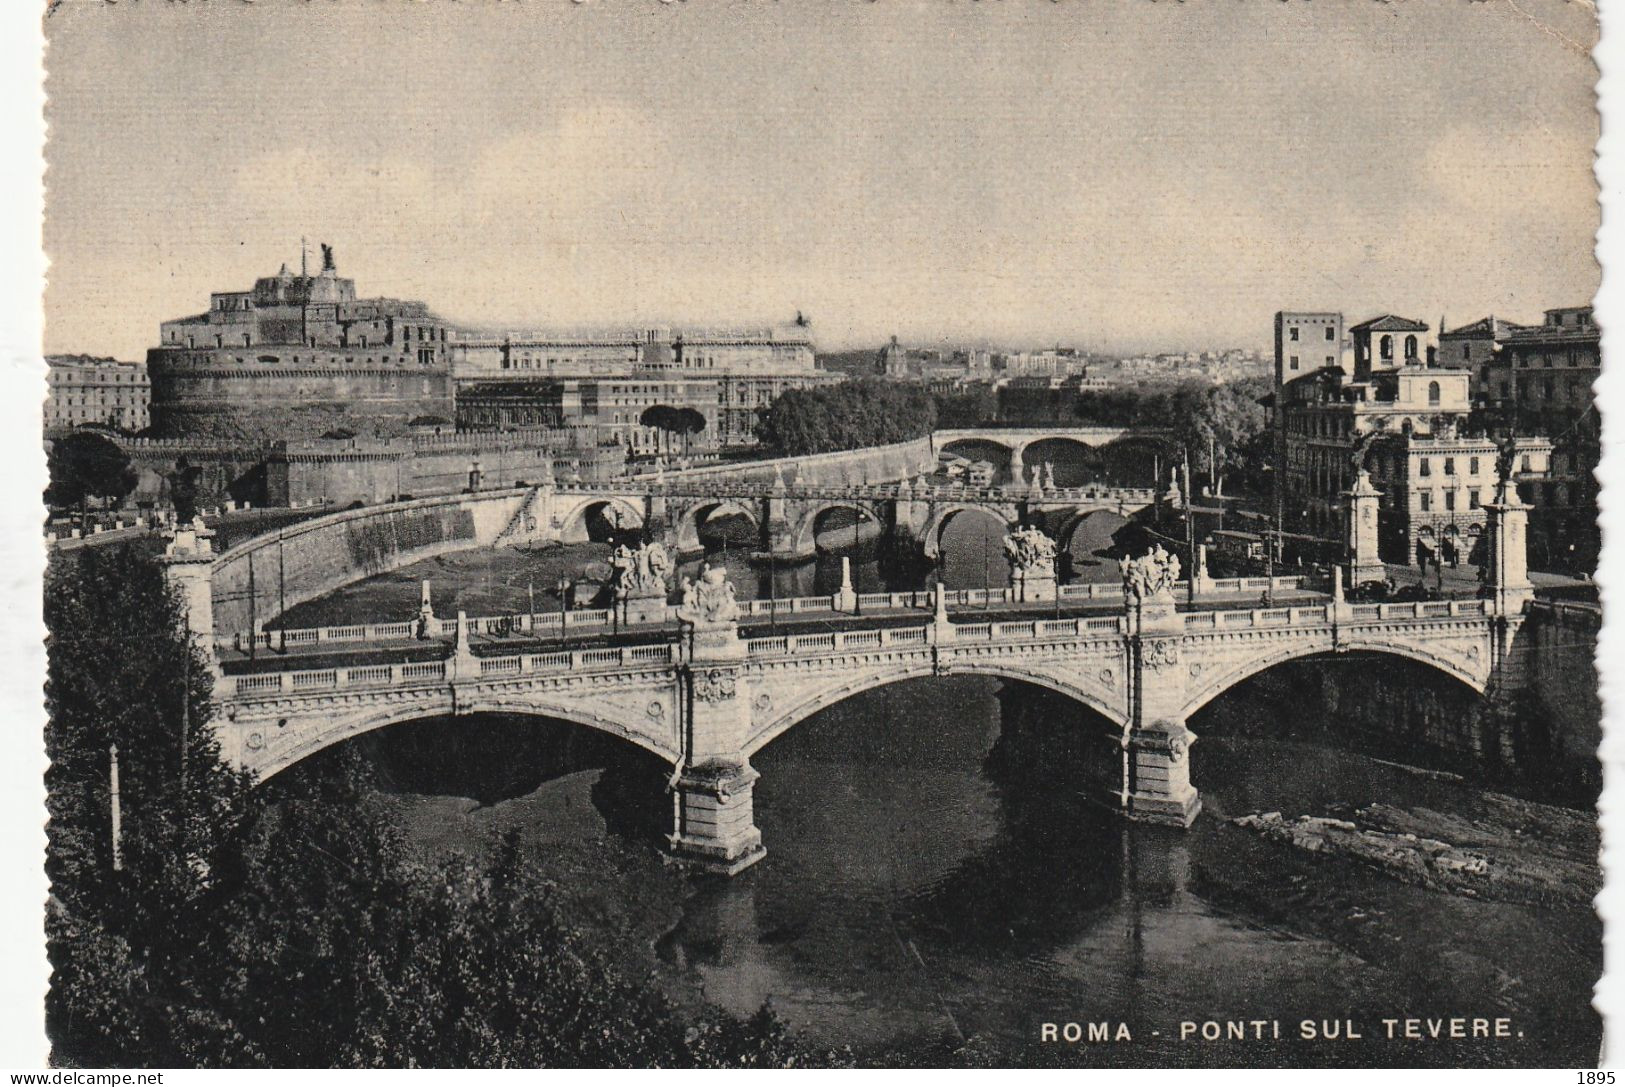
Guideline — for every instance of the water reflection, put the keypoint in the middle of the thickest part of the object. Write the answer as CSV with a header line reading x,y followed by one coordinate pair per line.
x,y
937,870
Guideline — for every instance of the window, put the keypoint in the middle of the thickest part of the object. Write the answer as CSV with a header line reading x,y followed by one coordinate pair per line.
x,y
1427,500
1426,466
1292,333
1294,362
1450,466
1330,333
1546,388
1472,466
1525,463
1387,346
1472,499
1410,347
1330,361
1450,500
1433,392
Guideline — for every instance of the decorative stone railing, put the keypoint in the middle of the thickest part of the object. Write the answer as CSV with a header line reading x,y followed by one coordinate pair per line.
x,y
1002,632
359,677
597,620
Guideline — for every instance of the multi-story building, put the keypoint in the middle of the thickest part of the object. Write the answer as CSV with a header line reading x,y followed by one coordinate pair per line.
x,y
1306,342
1540,382
1405,419
1434,487
611,380
297,356
1474,346
82,389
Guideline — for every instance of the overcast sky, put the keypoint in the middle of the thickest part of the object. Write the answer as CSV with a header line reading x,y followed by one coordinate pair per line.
x,y
1107,174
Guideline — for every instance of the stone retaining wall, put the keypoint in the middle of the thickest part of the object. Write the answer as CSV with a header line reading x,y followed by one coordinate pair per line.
x,y
304,561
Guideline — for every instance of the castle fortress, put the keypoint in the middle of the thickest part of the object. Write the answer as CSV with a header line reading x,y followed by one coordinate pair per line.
x,y
298,356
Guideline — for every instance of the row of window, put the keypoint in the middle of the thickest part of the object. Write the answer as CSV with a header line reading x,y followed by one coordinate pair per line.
x,y
1425,466
1425,500
1292,333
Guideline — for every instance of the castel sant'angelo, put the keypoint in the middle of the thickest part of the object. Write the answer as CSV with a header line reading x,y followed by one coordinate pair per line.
x,y
299,356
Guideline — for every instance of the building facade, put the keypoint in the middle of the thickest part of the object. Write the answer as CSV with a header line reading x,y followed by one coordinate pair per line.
x,y
609,381
85,390
1409,423
1541,382
297,356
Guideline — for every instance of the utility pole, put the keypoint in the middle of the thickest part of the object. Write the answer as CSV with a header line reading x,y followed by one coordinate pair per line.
x,y
857,597
253,614
113,807
281,593
186,703
1190,535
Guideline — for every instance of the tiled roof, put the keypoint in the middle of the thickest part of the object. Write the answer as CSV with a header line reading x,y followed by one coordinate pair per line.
x,y
1389,323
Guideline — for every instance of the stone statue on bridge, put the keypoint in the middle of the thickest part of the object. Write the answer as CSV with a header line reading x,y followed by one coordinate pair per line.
x,y
1030,552
641,572
1032,564
638,581
709,601
1150,578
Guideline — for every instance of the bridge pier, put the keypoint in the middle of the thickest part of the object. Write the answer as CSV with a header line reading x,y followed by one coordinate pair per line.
x,y
1157,775
188,564
713,812
1156,746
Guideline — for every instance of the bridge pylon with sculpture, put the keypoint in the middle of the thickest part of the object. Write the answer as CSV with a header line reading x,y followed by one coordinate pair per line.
x,y
706,683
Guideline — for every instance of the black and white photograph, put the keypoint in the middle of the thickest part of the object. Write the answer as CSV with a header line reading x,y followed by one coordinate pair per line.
x,y
737,534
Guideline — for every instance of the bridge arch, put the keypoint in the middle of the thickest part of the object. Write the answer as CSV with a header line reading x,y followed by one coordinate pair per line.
x,y
1096,525
1211,686
338,728
575,523
806,533
694,517
1080,462
1103,703
931,538
998,452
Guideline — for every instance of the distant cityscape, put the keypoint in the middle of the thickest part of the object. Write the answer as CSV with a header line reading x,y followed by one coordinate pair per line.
x,y
373,398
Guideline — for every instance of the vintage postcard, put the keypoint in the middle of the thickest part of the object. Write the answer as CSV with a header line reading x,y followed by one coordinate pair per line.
x,y
629,534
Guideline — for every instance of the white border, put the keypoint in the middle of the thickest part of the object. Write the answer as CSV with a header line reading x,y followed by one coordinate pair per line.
x,y
23,970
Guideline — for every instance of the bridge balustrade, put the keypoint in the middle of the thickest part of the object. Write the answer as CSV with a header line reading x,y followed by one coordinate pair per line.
x,y
553,623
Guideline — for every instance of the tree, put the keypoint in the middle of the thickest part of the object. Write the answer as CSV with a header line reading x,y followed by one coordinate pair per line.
x,y
121,673
1215,423
289,926
975,406
661,417
688,422
852,415
185,483
86,465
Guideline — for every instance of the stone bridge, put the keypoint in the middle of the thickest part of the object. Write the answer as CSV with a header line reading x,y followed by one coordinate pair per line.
x,y
788,519
260,578
1026,448
705,698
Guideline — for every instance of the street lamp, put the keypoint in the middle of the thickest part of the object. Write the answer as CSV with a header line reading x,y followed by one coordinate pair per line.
x,y
857,578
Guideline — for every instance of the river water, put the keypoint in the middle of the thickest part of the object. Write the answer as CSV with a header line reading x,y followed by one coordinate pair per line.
x,y
937,879
932,884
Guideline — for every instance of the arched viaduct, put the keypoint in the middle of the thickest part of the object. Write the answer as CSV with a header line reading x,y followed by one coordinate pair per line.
x,y
706,705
